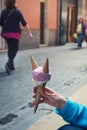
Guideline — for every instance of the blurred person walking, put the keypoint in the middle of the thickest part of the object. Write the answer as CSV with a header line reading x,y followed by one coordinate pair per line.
x,y
10,20
81,28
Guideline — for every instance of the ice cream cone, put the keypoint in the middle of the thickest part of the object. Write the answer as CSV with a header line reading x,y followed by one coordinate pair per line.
x,y
38,96
41,87
33,62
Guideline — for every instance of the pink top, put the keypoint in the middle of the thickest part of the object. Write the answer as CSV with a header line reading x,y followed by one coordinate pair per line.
x,y
11,35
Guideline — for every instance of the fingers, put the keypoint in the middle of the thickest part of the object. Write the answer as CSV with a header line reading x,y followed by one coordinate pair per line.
x,y
42,100
31,104
46,93
35,90
46,90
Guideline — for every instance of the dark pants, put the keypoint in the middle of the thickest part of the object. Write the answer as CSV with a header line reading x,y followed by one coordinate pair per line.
x,y
80,40
13,45
70,127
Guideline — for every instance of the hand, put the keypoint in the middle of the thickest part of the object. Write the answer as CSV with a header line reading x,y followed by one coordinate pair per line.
x,y
31,35
86,31
50,97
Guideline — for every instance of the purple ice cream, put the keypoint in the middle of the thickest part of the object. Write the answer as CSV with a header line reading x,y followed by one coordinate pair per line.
x,y
39,75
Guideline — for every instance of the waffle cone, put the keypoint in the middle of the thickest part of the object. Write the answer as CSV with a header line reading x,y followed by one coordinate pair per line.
x,y
46,66
33,62
38,96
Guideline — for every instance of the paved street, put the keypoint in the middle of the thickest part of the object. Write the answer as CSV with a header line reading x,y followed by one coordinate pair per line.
x,y
68,67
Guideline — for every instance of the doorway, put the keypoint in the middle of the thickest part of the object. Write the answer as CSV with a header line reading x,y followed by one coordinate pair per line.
x,y
42,22
71,23
68,20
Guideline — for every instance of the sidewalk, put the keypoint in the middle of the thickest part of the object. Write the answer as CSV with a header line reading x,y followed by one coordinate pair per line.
x,y
53,121
68,66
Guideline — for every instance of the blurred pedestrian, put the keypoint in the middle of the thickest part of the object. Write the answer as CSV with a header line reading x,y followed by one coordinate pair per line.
x,y
10,20
81,28
85,22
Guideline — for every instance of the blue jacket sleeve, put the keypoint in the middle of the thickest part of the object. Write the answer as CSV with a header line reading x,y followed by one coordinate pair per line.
x,y
74,113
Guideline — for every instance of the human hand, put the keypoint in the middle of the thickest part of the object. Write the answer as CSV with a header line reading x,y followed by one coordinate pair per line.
x,y
86,32
51,98
31,35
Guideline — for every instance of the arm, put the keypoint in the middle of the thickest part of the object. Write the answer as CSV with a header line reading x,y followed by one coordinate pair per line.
x,y
2,19
74,113
71,112
24,23
27,28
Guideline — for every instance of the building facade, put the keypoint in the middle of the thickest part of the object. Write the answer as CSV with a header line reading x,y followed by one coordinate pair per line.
x,y
52,22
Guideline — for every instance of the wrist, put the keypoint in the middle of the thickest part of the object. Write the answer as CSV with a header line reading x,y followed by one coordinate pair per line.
x,y
61,103
29,31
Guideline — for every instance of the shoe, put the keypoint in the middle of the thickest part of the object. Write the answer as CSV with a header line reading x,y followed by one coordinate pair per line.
x,y
7,69
10,66
79,47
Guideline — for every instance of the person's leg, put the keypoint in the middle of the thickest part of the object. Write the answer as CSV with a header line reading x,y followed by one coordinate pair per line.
x,y
80,40
12,51
7,64
70,127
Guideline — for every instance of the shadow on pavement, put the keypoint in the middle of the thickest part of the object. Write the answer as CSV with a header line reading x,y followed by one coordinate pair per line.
x,y
76,48
3,74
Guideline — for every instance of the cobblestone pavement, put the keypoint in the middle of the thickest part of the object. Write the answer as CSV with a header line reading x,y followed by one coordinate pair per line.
x,y
68,67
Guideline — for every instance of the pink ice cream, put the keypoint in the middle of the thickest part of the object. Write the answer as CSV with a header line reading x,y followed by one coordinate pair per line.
x,y
39,75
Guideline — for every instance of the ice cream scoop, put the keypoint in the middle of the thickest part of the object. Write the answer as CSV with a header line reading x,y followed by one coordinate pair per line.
x,y
40,76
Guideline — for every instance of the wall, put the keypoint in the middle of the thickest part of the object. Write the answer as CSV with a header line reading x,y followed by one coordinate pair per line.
x,y
31,12
80,8
52,14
